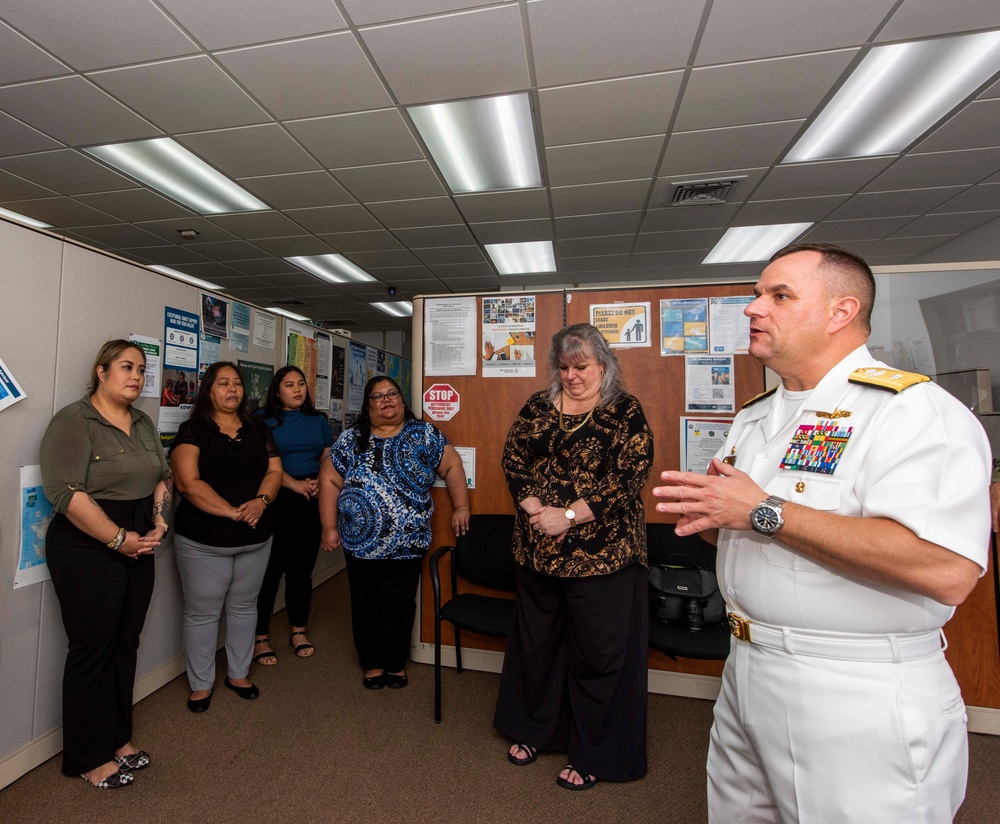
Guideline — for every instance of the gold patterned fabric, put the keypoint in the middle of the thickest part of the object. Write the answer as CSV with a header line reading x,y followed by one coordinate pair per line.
x,y
605,462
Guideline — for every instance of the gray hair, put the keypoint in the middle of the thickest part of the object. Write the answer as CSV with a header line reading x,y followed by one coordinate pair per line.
x,y
583,339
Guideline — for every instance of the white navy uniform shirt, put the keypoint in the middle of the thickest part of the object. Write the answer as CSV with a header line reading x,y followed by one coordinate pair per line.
x,y
917,457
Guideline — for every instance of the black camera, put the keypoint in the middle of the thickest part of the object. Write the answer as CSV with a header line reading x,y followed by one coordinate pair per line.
x,y
694,615
391,290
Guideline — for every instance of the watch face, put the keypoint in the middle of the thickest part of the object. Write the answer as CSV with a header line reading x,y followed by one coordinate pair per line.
x,y
766,519
570,514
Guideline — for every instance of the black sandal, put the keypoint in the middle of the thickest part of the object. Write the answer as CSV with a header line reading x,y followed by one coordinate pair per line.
x,y
298,649
588,780
532,753
269,654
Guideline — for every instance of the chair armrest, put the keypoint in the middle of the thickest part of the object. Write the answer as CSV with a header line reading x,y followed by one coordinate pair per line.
x,y
436,575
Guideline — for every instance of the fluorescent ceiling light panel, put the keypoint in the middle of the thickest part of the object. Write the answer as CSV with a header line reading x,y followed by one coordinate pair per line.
x,y
331,268
522,258
170,168
745,243
482,145
896,94
396,308
27,221
203,284
288,314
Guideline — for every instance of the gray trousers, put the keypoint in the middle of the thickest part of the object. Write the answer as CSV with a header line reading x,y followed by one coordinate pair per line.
x,y
213,577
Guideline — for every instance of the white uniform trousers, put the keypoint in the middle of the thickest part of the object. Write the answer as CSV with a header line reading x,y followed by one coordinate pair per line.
x,y
818,740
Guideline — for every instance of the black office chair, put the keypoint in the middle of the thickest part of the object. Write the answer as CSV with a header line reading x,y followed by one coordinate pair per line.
x,y
483,557
673,639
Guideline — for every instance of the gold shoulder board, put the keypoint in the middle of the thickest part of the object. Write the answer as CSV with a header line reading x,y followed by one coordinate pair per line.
x,y
895,380
759,397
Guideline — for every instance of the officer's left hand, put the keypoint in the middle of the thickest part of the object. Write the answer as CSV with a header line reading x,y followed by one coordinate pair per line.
x,y
722,499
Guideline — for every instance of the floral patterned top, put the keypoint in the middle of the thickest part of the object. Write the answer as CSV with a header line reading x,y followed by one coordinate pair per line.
x,y
385,506
605,462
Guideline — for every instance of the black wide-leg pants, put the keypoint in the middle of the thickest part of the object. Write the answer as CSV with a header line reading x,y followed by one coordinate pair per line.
x,y
575,675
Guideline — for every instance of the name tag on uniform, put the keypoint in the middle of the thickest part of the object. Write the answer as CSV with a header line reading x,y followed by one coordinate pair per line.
x,y
816,448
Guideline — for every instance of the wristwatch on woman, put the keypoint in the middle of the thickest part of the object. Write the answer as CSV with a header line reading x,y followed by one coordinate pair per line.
x,y
571,517
265,498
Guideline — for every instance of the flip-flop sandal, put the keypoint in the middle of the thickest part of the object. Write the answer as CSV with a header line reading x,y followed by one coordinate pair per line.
x,y
257,659
532,754
299,649
588,781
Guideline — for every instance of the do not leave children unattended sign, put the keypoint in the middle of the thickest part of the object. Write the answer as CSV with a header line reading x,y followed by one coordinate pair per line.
x,y
441,402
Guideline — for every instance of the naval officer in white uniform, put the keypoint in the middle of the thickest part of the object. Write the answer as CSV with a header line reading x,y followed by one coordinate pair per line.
x,y
851,512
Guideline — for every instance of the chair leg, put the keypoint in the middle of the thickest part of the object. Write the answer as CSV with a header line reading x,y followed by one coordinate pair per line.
x,y
458,649
437,670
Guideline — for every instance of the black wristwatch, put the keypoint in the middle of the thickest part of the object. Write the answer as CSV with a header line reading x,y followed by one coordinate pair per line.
x,y
765,518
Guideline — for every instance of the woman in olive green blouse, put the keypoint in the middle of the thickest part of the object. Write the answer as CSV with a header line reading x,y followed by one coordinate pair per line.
x,y
106,476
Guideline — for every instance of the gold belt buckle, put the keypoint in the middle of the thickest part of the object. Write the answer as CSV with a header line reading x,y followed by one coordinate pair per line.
x,y
740,627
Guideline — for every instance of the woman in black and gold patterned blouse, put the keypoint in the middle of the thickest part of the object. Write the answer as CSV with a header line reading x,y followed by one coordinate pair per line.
x,y
575,673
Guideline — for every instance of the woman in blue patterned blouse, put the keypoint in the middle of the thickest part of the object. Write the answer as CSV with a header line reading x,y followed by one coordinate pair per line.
x,y
375,502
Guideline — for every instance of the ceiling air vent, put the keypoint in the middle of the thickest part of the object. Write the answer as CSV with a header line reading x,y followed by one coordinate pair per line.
x,y
704,192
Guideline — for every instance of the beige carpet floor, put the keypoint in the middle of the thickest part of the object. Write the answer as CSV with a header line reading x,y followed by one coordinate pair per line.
x,y
317,747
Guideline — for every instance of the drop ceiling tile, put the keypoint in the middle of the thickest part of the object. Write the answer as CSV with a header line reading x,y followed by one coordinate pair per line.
x,y
816,179
678,241
591,246
521,204
991,92
904,246
17,138
135,204
291,280
413,288
365,12
678,218
379,260
605,161
119,235
251,225
62,212
602,263
358,139
166,255
621,196
468,54
118,32
394,274
169,229
434,236
738,30
13,187
654,260
974,127
838,231
945,224
732,148
21,60
630,107
294,246
183,95
938,169
250,151
720,96
329,74
297,191
393,181
890,204
576,40
330,219
513,231
404,214
211,271
225,250
613,223
263,266
68,171
223,24
451,272
796,210
74,111
346,242
449,255
984,197
746,183
928,18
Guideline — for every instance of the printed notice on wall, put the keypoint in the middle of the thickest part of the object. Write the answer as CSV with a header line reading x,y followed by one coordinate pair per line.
x,y
730,328
10,391
264,326
709,385
468,456
683,326
509,337
450,336
151,348
701,440
622,324
36,513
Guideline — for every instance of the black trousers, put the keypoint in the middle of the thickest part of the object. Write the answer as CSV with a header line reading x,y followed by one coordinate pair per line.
x,y
383,605
103,596
575,675
294,547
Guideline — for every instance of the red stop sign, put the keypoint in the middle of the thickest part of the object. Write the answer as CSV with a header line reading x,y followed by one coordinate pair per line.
x,y
441,402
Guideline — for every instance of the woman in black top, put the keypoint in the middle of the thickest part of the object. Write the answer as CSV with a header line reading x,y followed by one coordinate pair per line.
x,y
227,468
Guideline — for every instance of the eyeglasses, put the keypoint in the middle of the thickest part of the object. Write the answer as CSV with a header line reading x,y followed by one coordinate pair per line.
x,y
392,394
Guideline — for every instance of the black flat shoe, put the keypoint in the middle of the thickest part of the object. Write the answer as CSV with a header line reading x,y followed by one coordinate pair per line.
x,y
133,761
249,693
122,778
376,682
199,704
396,682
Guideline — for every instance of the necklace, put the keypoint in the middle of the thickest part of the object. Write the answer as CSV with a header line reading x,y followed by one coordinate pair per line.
x,y
562,426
